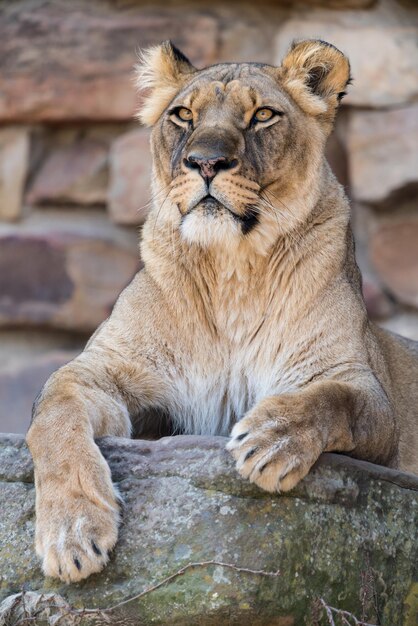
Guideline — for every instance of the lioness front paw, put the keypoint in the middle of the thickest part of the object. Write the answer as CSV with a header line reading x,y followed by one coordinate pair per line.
x,y
76,526
274,453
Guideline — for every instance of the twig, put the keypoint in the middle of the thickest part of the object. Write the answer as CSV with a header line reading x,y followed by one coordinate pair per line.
x,y
25,611
183,570
345,615
328,611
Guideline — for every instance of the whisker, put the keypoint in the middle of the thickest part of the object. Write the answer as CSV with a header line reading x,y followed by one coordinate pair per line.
x,y
290,235
298,219
153,199
158,213
285,216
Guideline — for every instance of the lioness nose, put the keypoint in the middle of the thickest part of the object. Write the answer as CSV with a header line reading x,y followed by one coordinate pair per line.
x,y
209,166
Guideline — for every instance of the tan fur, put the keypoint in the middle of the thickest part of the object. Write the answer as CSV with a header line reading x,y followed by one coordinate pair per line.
x,y
331,69
159,72
247,316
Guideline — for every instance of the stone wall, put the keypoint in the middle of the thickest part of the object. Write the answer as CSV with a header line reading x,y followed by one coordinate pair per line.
x,y
74,166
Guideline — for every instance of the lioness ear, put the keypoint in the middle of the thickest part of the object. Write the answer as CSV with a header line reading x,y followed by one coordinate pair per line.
x,y
315,73
162,71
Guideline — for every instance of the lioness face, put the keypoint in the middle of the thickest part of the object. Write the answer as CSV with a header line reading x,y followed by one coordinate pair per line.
x,y
234,142
230,135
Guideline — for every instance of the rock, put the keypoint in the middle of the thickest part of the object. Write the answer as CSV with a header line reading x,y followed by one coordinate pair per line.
x,y
14,155
130,178
19,386
403,323
74,61
378,304
382,52
394,254
61,280
383,153
75,174
336,152
340,4
348,522
27,357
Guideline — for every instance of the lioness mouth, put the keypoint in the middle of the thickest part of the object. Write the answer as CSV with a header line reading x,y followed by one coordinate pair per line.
x,y
212,206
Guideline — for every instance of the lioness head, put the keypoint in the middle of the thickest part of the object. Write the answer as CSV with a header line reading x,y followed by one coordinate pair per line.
x,y
237,148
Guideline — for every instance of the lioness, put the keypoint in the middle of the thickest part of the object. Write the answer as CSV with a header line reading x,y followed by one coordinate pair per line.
x,y
248,314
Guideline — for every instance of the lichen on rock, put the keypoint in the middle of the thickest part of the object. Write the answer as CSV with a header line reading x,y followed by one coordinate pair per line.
x,y
346,534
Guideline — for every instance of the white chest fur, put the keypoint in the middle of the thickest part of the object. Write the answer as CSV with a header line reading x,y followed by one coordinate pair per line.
x,y
217,390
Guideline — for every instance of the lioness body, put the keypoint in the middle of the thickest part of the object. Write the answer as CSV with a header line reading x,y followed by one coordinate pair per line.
x,y
247,316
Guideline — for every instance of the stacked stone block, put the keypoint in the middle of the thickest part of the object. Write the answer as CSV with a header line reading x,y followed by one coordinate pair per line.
x,y
75,165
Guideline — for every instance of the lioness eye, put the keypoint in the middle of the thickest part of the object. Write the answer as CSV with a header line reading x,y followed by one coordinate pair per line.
x,y
263,115
184,114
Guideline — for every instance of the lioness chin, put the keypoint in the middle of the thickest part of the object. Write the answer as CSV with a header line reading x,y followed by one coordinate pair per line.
x,y
248,316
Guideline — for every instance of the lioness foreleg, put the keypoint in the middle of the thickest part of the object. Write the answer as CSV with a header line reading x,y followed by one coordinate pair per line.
x,y
277,442
77,511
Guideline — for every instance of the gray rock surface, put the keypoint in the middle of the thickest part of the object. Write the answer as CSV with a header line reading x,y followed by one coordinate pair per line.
x,y
346,534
